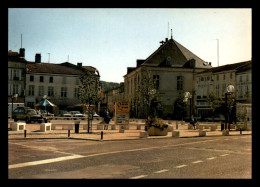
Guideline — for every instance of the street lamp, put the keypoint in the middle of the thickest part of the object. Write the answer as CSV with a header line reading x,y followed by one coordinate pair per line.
x,y
45,103
229,90
188,95
13,96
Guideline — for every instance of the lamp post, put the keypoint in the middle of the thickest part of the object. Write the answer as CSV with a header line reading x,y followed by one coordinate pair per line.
x,y
188,95
13,96
229,90
45,97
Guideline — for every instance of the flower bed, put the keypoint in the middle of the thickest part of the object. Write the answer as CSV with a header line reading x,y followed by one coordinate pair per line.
x,y
156,127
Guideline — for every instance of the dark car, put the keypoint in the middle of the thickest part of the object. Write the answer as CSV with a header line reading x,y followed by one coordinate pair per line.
x,y
26,114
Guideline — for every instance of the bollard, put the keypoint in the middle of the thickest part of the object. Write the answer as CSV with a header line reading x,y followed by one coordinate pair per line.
x,y
25,133
101,135
240,130
68,133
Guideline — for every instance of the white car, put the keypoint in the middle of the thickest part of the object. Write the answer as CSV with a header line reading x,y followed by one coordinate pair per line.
x,y
76,114
95,115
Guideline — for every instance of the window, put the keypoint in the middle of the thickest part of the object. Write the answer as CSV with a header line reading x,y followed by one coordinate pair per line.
x,y
31,78
240,78
41,90
217,77
179,82
30,104
76,93
224,76
15,89
63,92
31,90
230,75
247,78
156,80
51,80
15,75
41,79
224,87
50,91
217,90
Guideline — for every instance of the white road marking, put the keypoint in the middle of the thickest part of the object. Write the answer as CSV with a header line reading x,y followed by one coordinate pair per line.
x,y
81,156
224,155
138,177
181,166
161,171
198,161
47,161
211,158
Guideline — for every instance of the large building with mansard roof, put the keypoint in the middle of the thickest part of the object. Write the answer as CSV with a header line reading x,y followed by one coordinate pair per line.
x,y
173,67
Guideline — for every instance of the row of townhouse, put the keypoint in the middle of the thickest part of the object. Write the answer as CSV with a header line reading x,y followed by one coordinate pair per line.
x,y
176,70
217,79
34,80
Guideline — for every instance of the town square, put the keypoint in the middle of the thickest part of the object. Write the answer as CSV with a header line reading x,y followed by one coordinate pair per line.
x,y
93,93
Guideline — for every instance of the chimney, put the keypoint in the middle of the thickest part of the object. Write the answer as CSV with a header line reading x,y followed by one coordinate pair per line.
x,y
210,63
79,64
38,58
166,39
22,53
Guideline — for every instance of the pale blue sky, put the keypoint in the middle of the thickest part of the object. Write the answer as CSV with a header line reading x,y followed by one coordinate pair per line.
x,y
111,39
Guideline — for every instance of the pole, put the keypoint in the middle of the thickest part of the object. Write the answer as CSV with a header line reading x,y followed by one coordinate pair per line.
x,y
226,111
12,105
218,50
190,108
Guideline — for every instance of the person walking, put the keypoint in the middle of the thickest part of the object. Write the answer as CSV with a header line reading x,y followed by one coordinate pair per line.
x,y
106,119
193,121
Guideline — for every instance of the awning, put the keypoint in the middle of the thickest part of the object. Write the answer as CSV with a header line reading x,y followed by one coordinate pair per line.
x,y
45,102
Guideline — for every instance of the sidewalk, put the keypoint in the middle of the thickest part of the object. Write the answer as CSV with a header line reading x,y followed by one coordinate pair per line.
x,y
33,132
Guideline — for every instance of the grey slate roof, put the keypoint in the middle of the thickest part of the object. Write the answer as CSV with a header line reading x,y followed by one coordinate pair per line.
x,y
176,54
240,66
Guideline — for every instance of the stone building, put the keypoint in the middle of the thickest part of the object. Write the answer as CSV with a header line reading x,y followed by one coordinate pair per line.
x,y
173,68
59,82
217,79
16,75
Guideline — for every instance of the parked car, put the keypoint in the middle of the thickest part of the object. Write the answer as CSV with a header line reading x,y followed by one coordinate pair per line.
x,y
216,118
27,114
76,114
64,113
95,115
44,113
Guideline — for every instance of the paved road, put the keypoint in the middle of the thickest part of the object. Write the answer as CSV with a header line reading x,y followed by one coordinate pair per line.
x,y
203,157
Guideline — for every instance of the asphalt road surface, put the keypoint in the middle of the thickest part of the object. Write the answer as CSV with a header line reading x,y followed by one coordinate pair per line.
x,y
223,157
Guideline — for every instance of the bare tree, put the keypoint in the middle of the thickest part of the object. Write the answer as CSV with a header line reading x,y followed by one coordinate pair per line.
x,y
214,102
146,89
89,90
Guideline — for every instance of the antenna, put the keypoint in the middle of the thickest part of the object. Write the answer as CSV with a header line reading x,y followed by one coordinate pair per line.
x,y
171,33
168,30
218,50
49,57
21,40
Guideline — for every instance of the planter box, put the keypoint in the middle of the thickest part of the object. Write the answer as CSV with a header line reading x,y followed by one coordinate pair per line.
x,y
154,131
143,134
175,133
225,132
202,133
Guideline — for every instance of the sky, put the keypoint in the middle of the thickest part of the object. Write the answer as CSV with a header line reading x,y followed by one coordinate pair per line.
x,y
112,39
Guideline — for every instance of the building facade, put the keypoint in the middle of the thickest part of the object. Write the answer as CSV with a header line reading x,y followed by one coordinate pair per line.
x,y
217,80
16,76
172,68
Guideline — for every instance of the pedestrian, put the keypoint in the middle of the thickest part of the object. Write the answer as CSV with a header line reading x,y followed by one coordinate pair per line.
x,y
192,121
106,119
